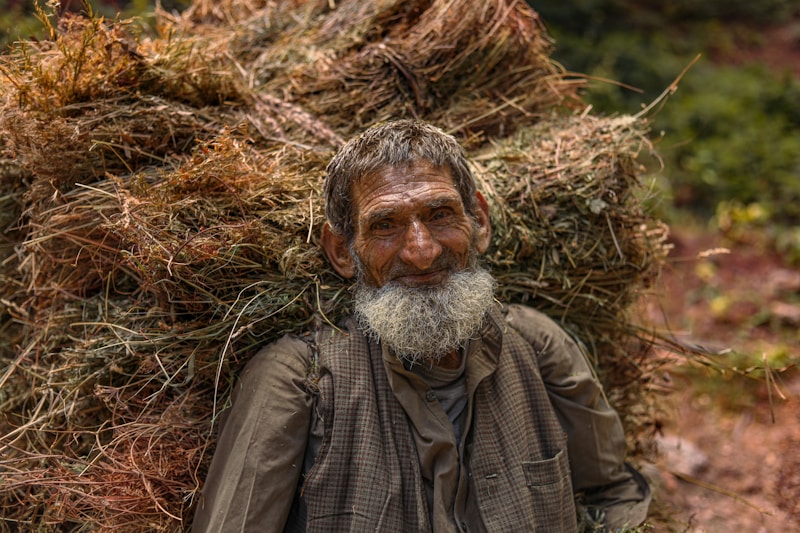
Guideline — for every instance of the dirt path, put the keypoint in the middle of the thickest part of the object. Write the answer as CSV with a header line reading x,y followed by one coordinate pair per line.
x,y
732,449
750,481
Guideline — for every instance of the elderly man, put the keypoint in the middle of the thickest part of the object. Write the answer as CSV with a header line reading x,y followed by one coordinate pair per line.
x,y
432,408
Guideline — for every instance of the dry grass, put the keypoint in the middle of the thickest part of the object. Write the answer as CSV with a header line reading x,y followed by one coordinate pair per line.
x,y
571,238
161,204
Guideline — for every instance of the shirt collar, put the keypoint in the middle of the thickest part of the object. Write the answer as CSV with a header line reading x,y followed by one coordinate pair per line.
x,y
482,353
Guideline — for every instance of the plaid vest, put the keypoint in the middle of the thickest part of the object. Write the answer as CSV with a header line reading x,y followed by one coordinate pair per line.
x,y
367,476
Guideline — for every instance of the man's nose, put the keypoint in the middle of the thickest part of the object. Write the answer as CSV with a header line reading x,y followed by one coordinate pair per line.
x,y
420,248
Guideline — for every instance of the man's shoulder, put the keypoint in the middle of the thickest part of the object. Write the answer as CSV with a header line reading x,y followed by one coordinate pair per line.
x,y
536,328
291,352
522,317
301,351
290,343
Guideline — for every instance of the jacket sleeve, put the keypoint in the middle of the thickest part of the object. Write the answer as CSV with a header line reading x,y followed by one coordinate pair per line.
x,y
595,436
255,469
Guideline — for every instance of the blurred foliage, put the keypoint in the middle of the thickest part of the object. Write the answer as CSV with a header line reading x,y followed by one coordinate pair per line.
x,y
730,133
738,139
19,19
738,382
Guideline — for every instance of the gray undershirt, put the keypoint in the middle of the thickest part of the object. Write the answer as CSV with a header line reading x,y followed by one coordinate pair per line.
x,y
450,388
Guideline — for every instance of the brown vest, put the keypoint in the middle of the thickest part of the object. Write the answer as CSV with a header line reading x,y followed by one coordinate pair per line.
x,y
367,476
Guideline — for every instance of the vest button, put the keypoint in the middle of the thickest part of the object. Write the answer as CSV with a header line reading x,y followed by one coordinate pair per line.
x,y
431,396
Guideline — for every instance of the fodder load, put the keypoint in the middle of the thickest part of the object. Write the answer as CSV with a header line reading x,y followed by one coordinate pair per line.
x,y
160,208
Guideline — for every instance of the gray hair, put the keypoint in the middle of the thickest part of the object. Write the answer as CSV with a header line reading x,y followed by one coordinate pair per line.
x,y
399,143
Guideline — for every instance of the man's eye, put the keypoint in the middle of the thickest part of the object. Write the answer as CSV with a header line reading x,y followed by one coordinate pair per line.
x,y
382,225
440,214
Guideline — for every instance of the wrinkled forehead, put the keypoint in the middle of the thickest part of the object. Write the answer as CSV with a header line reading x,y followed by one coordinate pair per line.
x,y
399,172
402,183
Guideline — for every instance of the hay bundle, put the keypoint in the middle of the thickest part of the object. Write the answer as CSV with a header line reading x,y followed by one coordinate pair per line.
x,y
95,101
572,239
137,282
432,63
470,69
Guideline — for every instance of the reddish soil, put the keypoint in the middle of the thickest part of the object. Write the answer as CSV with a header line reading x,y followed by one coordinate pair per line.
x,y
736,467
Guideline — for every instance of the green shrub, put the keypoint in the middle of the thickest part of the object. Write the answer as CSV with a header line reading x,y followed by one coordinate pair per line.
x,y
730,135
733,134
593,18
17,22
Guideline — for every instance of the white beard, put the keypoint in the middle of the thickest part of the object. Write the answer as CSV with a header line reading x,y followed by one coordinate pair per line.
x,y
425,324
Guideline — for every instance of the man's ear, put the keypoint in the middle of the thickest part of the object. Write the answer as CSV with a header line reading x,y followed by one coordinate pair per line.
x,y
484,235
338,252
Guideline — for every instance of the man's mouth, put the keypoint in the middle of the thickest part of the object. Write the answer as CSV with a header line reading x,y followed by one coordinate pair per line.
x,y
424,279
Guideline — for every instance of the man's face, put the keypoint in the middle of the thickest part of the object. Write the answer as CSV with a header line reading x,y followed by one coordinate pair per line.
x,y
414,252
411,227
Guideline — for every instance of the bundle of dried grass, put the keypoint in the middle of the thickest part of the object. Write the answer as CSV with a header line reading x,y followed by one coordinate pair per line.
x,y
154,288
474,70
228,12
175,230
572,238
96,100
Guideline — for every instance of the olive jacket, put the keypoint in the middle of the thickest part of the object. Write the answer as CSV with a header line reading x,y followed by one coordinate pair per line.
x,y
537,431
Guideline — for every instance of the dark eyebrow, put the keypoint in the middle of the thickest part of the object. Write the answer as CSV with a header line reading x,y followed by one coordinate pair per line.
x,y
381,214
390,212
444,202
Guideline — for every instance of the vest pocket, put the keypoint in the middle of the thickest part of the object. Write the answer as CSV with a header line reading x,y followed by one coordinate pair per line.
x,y
551,492
546,472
